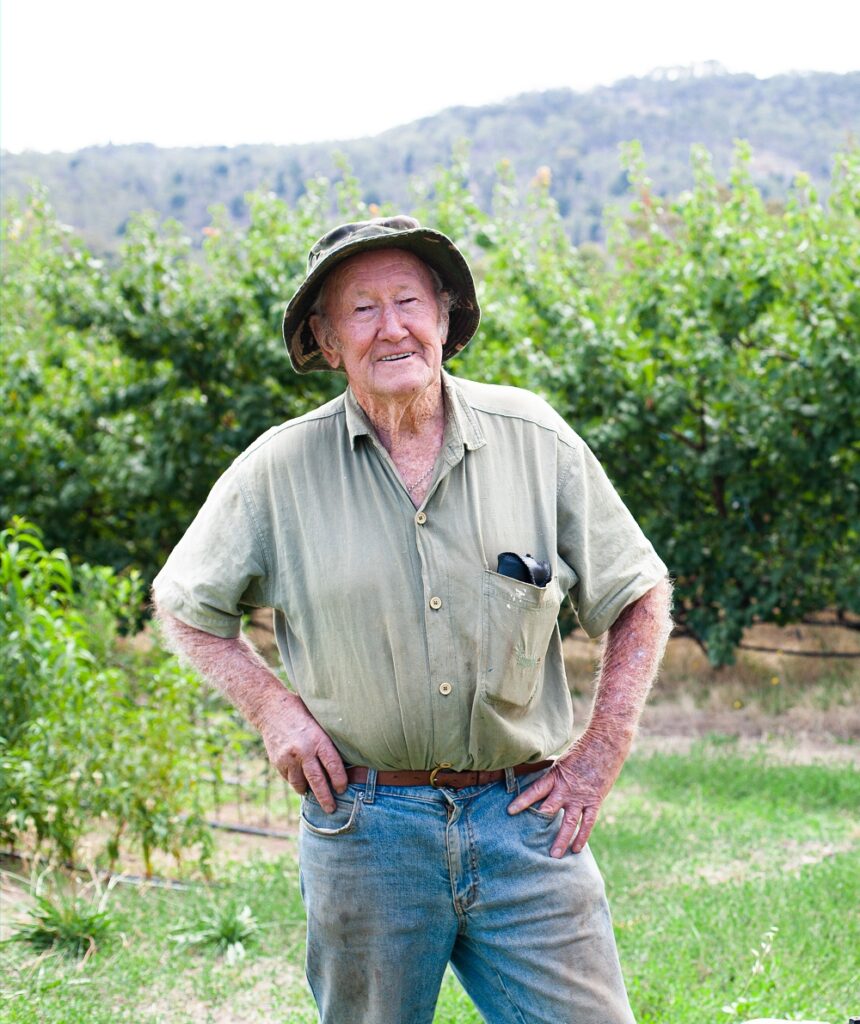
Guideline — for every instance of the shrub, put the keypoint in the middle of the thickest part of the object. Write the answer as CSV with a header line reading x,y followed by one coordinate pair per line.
x,y
83,740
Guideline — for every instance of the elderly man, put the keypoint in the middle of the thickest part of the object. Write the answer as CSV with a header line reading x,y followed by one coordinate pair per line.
x,y
415,538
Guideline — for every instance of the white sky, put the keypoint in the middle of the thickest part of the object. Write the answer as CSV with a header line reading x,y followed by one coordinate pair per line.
x,y
206,72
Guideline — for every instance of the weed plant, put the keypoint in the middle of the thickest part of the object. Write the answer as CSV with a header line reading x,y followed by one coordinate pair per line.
x,y
63,918
226,927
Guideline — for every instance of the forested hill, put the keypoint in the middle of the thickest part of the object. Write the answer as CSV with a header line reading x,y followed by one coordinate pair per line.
x,y
793,122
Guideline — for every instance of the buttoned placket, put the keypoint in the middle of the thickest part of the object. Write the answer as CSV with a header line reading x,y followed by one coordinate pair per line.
x,y
446,696
446,692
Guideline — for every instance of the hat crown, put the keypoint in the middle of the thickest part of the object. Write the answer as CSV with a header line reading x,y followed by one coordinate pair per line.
x,y
436,250
347,234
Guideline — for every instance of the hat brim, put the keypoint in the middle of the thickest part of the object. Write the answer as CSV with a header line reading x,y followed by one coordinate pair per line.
x,y
434,248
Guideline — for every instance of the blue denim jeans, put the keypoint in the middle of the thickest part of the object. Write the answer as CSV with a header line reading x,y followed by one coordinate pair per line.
x,y
400,881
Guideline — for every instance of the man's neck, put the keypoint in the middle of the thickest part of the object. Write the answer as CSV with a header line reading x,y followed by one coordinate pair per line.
x,y
419,420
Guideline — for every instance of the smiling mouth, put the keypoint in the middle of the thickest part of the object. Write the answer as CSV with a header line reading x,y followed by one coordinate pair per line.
x,y
395,359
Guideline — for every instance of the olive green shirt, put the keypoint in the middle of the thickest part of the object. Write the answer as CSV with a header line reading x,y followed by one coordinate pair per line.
x,y
404,643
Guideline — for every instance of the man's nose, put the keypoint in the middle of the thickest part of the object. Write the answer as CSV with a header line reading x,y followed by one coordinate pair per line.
x,y
391,326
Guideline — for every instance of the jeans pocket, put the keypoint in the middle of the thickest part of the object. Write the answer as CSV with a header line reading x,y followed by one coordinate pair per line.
x,y
538,813
517,623
523,783
341,821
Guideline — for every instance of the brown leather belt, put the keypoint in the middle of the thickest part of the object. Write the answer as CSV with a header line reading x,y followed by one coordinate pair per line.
x,y
442,776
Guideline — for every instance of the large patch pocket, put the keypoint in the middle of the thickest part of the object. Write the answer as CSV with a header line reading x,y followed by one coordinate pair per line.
x,y
517,622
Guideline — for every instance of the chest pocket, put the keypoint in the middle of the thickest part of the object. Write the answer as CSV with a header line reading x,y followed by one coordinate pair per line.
x,y
517,622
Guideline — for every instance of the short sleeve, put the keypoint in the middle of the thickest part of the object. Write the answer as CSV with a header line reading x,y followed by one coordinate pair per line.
x,y
602,542
218,566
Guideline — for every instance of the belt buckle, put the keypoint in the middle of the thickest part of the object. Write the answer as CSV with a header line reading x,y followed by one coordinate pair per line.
x,y
439,768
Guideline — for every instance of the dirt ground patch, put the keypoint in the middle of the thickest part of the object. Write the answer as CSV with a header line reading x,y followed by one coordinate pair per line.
x,y
792,856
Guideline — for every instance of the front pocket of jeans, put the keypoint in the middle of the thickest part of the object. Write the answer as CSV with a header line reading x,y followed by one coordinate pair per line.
x,y
538,813
341,821
517,622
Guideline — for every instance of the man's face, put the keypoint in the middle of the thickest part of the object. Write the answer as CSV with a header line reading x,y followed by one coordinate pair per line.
x,y
383,311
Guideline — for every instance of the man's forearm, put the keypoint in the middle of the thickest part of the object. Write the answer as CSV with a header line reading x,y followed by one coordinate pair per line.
x,y
631,657
296,744
232,666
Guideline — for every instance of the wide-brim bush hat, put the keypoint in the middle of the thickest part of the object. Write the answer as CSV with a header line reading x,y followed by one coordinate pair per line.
x,y
434,248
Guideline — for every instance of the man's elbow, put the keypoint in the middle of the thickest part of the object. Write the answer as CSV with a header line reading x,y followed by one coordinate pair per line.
x,y
662,595
652,612
656,604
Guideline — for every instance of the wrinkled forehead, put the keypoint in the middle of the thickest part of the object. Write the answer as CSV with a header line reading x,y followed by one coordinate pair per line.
x,y
380,269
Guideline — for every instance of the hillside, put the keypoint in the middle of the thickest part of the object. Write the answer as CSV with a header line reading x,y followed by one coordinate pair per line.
x,y
793,122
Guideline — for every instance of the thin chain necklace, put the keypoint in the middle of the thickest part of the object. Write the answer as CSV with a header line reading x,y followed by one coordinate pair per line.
x,y
411,487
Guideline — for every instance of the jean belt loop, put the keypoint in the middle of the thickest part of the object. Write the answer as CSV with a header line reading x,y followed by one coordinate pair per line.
x,y
510,780
370,786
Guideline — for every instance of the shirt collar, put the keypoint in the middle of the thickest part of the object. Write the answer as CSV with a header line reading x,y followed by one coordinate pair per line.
x,y
461,428
357,421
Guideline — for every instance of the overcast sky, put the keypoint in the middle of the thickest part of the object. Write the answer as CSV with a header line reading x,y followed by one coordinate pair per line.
x,y
75,73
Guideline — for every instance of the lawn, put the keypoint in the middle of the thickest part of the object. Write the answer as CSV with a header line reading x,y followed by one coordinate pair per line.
x,y
734,880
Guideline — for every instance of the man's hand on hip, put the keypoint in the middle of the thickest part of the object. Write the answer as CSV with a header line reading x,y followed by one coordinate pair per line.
x,y
302,752
577,784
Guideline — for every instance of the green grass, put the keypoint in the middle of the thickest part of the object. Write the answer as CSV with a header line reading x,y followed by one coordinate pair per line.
x,y
704,854
734,884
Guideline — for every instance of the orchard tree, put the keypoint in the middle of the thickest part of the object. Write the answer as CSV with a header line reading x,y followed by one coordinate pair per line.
x,y
720,390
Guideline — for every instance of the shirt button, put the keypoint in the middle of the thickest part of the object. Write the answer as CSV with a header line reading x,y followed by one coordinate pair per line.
x,y
445,689
421,518
435,603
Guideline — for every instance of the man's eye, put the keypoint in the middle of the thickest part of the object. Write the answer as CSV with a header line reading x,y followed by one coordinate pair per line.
x,y
410,298
362,309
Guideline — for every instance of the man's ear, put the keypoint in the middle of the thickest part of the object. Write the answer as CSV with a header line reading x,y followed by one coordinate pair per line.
x,y
321,335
